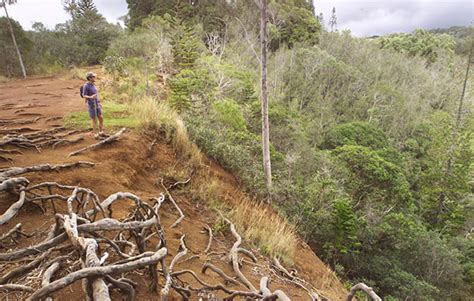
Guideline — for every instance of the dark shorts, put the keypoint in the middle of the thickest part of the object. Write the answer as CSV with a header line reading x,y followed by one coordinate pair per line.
x,y
94,110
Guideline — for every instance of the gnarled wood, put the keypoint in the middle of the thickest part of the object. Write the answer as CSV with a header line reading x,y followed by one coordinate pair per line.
x,y
108,140
96,272
366,289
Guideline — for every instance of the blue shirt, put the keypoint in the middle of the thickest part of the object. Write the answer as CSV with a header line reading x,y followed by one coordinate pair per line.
x,y
89,90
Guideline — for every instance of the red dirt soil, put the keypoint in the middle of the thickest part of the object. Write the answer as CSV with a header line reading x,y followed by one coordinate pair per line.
x,y
129,166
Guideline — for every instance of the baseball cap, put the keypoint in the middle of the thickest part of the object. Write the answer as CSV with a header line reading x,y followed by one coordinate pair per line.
x,y
90,74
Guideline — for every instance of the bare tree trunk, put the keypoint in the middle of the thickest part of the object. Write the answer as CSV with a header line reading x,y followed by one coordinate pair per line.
x,y
265,125
469,62
451,150
14,41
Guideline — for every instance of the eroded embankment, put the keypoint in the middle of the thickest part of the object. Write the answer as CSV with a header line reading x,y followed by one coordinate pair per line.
x,y
136,164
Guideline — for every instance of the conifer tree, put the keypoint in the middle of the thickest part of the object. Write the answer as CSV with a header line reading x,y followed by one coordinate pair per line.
x,y
333,20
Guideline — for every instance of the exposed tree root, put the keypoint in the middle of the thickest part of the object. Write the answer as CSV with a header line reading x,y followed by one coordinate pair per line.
x,y
209,244
13,233
103,249
183,252
181,214
15,171
108,140
218,271
290,277
366,289
234,257
96,272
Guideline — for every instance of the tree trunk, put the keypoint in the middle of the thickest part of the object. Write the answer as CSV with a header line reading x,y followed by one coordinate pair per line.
x,y
23,70
265,125
458,119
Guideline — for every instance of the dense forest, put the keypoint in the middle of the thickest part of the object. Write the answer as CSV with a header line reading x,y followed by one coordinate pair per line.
x,y
371,138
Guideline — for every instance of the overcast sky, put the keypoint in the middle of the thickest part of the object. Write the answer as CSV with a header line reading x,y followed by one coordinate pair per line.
x,y
362,17
378,17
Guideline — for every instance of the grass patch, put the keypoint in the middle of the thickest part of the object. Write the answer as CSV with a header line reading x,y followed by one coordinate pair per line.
x,y
272,234
158,117
115,115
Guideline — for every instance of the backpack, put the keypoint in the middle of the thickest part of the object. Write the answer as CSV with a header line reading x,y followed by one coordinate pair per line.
x,y
81,91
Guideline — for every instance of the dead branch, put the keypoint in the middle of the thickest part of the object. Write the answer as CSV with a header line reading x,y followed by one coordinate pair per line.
x,y
123,286
13,209
247,253
183,252
13,232
11,152
290,277
66,142
208,248
113,198
181,214
15,171
36,249
218,271
11,184
267,293
234,257
108,140
221,287
48,274
97,272
366,289
16,287
23,269
173,186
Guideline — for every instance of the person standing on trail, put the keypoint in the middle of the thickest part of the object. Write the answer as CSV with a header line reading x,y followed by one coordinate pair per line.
x,y
90,93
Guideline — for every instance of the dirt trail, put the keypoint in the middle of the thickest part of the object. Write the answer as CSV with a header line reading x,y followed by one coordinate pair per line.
x,y
128,165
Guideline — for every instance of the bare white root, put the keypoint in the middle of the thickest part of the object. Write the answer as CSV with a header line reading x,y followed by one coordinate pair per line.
x,y
366,289
108,140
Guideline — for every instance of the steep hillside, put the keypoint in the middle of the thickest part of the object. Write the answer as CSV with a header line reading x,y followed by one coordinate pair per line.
x,y
137,164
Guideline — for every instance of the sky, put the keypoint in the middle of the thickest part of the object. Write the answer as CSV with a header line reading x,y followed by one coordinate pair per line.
x,y
379,17
51,12
361,17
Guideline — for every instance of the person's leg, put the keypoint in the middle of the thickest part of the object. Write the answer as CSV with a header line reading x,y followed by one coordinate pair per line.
x,y
94,125
101,123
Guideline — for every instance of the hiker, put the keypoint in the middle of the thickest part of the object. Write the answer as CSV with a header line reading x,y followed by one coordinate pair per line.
x,y
90,93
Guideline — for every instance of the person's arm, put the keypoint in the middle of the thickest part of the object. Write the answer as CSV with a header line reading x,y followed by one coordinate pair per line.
x,y
90,97
87,91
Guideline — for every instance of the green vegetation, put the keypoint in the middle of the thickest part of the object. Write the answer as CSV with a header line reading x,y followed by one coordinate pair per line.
x,y
369,161
82,40
116,115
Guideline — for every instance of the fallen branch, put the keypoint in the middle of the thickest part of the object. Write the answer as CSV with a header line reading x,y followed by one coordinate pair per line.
x,y
184,251
290,277
366,289
221,287
15,171
267,293
13,209
218,271
66,142
181,214
48,274
110,139
23,269
208,248
12,232
234,257
16,287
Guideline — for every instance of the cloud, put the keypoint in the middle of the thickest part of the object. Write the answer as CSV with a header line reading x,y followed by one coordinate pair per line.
x,y
51,12
370,17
